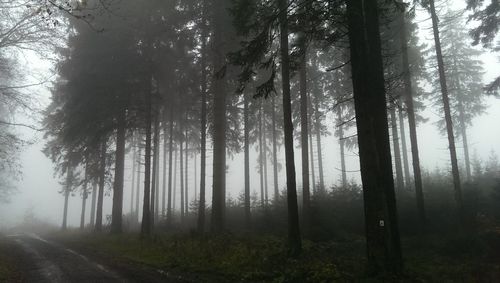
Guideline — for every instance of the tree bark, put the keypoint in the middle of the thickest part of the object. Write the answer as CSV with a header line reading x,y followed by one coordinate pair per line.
x,y
397,152
447,115
181,165
381,222
84,204
102,180
203,120
304,131
318,145
275,156
67,190
170,151
117,211
261,156
93,206
342,147
294,239
186,176
154,173
138,182
132,183
412,125
146,209
404,148
247,162
219,113
164,186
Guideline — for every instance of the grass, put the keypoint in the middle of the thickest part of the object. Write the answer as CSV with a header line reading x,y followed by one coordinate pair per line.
x,y
8,270
263,258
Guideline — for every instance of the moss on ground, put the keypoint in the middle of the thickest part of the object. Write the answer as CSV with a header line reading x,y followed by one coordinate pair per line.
x,y
264,258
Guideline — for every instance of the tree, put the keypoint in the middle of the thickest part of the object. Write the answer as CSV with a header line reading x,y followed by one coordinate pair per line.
x,y
447,112
382,232
464,73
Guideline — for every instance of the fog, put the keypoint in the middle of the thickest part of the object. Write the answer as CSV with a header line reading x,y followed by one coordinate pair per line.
x,y
174,54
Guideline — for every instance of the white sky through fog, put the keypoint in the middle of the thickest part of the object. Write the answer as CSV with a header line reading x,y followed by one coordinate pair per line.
x,y
38,190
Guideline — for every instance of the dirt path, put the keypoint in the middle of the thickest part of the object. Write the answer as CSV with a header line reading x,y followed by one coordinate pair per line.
x,y
39,259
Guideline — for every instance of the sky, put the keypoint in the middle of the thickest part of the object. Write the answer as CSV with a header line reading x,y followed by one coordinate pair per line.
x,y
39,188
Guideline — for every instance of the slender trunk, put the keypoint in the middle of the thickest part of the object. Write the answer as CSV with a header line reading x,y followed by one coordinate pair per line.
x,y
264,156
146,210
181,167
84,204
196,176
463,130
447,115
138,184
412,125
247,162
154,172
93,206
117,211
132,183
381,222
175,182
261,156
294,240
102,180
186,177
67,190
164,186
397,153
275,155
157,174
170,151
203,121
404,148
318,144
342,146
311,155
304,131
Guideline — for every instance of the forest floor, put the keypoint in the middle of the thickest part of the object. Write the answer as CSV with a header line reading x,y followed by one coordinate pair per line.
x,y
75,256
239,258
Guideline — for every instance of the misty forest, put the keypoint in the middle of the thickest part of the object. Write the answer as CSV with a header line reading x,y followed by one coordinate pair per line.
x,y
249,141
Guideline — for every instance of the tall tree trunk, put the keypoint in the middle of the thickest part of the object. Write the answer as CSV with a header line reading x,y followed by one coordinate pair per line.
x,y
175,182
170,151
138,182
164,186
264,156
157,173
447,114
311,155
294,240
154,170
463,131
67,191
247,162
261,157
412,125
381,222
132,183
196,176
397,154
117,211
275,155
342,147
102,180
84,204
181,167
146,209
404,148
304,131
93,205
220,22
186,175
318,144
203,120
